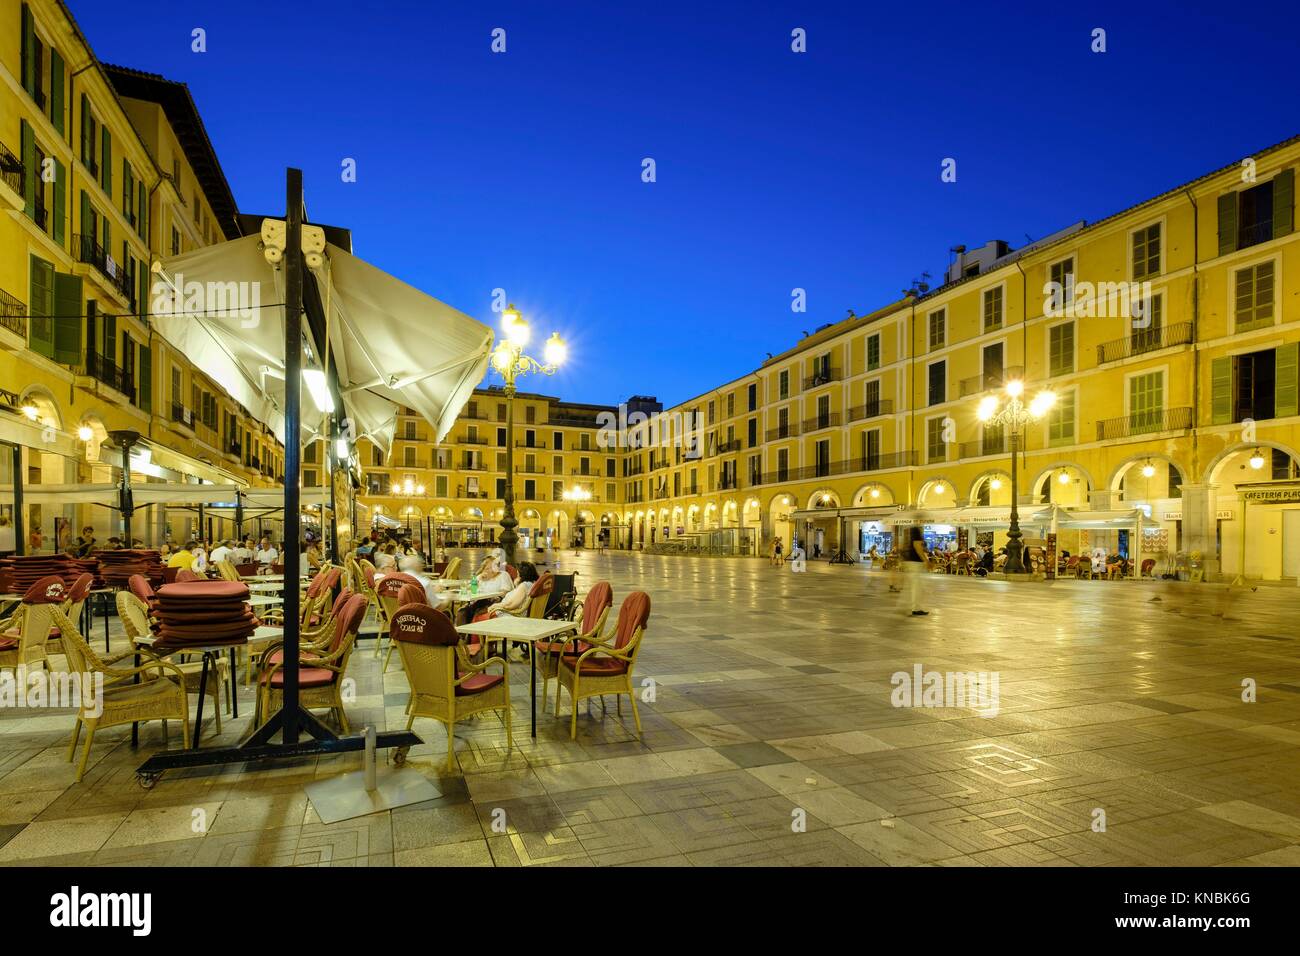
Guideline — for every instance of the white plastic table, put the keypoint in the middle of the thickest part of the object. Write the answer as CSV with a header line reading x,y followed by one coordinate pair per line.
x,y
526,630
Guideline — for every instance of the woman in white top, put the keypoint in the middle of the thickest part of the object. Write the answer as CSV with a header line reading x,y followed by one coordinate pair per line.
x,y
493,578
515,599
200,562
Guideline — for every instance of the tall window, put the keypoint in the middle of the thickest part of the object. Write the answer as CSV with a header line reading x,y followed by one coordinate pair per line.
x,y
871,449
936,449
937,391
783,464
823,458
1146,402
1146,251
872,404
1060,349
783,385
753,396
992,309
753,432
873,351
1061,275
937,329
783,423
1253,302
1060,420
1147,338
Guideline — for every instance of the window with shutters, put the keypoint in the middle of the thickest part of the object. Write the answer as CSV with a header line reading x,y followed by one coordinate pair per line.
x,y
1060,349
937,329
871,449
753,396
937,383
1060,419
1148,336
783,464
1061,294
440,486
1146,402
752,436
936,449
408,457
1253,296
1146,251
992,309
873,352
783,423
1257,385
1255,215
408,429
783,386
40,300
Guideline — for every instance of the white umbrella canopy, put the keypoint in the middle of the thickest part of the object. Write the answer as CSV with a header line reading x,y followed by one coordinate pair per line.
x,y
391,344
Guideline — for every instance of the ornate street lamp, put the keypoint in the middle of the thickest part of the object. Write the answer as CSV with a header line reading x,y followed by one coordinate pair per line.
x,y
509,360
409,490
1014,415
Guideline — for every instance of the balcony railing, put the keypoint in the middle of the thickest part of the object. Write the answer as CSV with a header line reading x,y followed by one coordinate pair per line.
x,y
895,459
1144,423
881,406
92,253
727,447
1252,234
11,171
989,380
13,315
469,440
111,374
1141,341
789,430
829,420
988,445
823,376
182,415
521,443
572,421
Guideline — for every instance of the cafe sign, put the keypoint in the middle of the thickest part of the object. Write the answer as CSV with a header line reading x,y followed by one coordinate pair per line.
x,y
1225,514
1274,496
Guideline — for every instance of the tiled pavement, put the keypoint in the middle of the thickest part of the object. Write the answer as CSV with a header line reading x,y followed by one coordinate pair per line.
x,y
772,740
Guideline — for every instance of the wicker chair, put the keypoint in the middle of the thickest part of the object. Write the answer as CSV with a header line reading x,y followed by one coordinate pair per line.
x,y
227,571
595,612
320,677
445,685
534,607
451,570
159,695
72,607
27,631
134,615
606,666
407,594
386,590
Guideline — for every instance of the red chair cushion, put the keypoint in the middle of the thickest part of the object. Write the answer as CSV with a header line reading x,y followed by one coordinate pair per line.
x,y
81,588
632,615
411,594
307,677
277,657
598,598
597,666
8,644
554,647
478,683
47,590
421,624
204,590
390,585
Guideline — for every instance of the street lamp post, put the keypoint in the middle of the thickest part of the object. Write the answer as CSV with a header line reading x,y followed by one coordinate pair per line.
x,y
577,494
1014,415
509,360
407,490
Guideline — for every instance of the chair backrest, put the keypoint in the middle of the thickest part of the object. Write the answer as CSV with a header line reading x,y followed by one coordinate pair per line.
x,y
1147,565
348,623
82,658
387,589
452,569
134,615
411,594
185,574
42,602
632,618
426,640
227,570
539,595
595,609
141,588
340,601
77,595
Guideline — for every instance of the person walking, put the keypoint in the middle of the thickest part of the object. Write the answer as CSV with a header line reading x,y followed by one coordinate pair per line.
x,y
914,564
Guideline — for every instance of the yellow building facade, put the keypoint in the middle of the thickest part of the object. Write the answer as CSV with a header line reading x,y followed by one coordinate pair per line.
x,y
105,169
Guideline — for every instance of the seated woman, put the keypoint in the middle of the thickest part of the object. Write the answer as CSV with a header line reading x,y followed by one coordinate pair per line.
x,y
516,598
493,580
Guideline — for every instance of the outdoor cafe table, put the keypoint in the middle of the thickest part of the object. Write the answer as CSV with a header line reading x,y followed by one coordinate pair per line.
x,y
526,630
262,600
209,652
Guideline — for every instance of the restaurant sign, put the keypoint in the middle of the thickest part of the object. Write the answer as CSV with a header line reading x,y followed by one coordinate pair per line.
x,y
1272,495
1224,514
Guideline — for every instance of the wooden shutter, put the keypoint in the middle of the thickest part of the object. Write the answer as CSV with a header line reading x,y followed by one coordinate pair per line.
x,y
57,104
106,164
30,173
142,222
67,321
1221,391
87,228
87,147
1286,388
1227,223
128,194
60,201
28,67
41,307
1283,203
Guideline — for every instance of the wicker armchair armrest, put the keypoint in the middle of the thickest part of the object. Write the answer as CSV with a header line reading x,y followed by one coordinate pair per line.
x,y
462,657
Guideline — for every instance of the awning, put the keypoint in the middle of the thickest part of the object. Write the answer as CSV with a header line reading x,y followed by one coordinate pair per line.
x,y
390,343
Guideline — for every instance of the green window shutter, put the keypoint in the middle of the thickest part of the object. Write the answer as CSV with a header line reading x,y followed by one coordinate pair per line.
x,y
1227,223
57,104
85,227
145,378
87,147
28,67
1221,391
30,172
41,335
60,201
1286,387
143,202
127,192
108,236
106,166
1283,203
67,322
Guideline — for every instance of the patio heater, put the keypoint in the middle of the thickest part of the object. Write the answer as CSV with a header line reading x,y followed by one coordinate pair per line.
x,y
1014,416
124,439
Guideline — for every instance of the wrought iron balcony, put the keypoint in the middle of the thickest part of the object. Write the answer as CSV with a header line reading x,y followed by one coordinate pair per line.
x,y
1140,341
465,440
883,462
182,415
111,374
829,420
92,253
988,445
823,376
989,380
1144,423
11,171
13,315
881,406
788,430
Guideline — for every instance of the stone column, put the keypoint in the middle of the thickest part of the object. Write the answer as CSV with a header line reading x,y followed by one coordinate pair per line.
x,y
1200,531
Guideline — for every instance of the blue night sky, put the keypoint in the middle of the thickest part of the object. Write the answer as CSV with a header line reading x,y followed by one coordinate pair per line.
x,y
775,170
